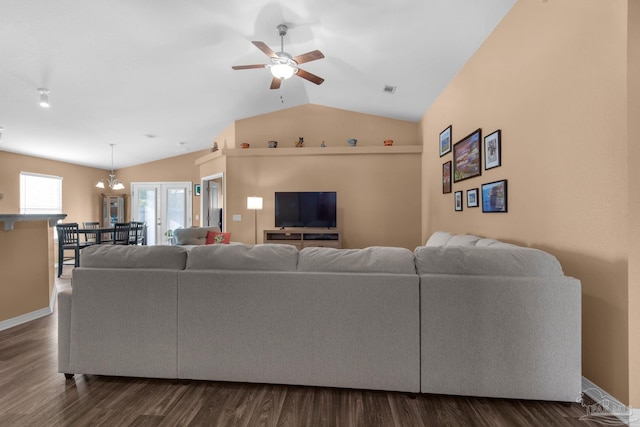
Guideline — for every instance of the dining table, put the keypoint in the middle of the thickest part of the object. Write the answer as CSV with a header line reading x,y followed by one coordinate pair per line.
x,y
97,235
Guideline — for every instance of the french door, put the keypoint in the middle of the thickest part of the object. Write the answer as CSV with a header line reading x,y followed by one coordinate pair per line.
x,y
164,206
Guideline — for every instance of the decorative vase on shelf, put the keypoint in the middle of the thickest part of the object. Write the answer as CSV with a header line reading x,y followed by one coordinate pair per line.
x,y
388,142
273,144
352,142
300,142
244,145
323,144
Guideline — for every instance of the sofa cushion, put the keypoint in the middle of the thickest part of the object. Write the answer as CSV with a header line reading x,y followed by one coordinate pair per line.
x,y
375,259
463,240
267,257
192,236
486,261
439,238
118,256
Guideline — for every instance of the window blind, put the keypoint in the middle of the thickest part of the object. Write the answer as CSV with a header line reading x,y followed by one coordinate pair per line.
x,y
40,194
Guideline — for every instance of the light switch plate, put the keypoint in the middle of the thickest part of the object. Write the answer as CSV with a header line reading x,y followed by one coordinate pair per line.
x,y
237,217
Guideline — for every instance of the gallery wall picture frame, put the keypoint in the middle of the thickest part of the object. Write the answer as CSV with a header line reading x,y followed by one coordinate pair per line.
x,y
446,177
458,200
467,157
445,141
493,150
494,196
472,198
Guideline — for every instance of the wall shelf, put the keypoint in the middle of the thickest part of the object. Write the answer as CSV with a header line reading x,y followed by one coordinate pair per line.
x,y
311,151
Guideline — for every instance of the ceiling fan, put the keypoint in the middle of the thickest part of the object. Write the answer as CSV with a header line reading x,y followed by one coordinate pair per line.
x,y
282,65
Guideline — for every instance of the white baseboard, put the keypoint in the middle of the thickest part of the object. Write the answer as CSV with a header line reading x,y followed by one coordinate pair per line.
x,y
27,317
615,412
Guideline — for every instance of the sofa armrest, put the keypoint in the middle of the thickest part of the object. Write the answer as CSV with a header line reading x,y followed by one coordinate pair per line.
x,y
64,330
501,336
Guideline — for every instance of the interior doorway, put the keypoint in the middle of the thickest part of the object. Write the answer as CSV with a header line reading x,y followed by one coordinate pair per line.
x,y
164,206
213,201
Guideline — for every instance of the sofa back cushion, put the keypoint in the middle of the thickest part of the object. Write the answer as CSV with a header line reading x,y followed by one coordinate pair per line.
x,y
192,236
369,260
486,261
268,257
118,256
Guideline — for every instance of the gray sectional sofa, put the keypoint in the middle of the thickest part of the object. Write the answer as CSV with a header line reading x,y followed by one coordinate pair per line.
x,y
456,316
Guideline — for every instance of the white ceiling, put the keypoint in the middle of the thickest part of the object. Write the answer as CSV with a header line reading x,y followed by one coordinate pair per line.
x,y
120,69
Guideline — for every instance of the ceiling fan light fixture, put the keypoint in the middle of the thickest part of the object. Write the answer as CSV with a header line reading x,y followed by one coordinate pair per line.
x,y
283,66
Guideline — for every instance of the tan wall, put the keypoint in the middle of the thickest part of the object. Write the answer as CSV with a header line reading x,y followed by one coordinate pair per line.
x,y
25,269
179,168
552,76
633,79
378,194
316,123
375,207
80,199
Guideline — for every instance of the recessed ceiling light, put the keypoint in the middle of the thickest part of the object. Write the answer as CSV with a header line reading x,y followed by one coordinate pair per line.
x,y
390,89
44,97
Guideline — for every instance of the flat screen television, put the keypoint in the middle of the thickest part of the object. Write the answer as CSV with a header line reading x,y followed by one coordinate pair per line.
x,y
305,209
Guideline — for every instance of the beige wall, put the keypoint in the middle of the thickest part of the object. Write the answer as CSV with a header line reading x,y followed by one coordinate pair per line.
x,y
378,194
633,90
553,77
80,199
173,169
26,278
316,123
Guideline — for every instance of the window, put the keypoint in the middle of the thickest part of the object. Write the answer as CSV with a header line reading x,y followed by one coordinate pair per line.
x,y
40,194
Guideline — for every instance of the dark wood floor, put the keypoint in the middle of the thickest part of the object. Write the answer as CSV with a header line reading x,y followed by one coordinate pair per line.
x,y
32,393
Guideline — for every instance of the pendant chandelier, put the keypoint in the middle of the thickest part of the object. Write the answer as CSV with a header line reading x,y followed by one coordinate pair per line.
x,y
112,182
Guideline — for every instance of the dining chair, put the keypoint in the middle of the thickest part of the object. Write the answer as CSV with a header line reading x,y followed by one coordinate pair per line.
x,y
69,240
121,233
91,238
137,232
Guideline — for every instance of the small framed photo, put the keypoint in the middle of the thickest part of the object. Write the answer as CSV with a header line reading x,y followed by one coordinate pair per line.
x,y
446,177
196,189
467,155
472,198
494,196
492,149
458,200
445,141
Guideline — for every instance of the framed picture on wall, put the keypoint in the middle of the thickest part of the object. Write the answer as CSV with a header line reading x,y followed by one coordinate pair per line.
x,y
472,198
458,200
494,196
445,141
492,149
446,177
467,157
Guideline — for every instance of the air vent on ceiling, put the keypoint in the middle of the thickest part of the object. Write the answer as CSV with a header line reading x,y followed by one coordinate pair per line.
x,y
390,89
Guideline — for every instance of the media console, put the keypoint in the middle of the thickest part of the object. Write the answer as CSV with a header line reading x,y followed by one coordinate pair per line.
x,y
305,238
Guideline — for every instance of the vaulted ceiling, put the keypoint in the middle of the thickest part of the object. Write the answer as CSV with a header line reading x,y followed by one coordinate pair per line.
x,y
155,78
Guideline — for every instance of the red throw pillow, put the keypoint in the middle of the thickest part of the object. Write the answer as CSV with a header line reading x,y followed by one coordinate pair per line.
x,y
214,237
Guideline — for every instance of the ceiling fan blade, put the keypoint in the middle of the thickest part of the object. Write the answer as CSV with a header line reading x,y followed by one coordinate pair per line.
x,y
309,56
275,83
266,49
247,67
311,77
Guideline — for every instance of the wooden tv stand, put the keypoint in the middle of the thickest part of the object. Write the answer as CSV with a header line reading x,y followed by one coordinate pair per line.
x,y
305,237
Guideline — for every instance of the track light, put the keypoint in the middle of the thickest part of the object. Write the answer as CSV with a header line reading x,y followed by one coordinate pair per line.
x,y
44,97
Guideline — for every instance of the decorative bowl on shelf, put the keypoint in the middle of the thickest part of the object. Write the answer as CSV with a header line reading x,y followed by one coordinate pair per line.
x,y
352,142
244,145
272,144
388,142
